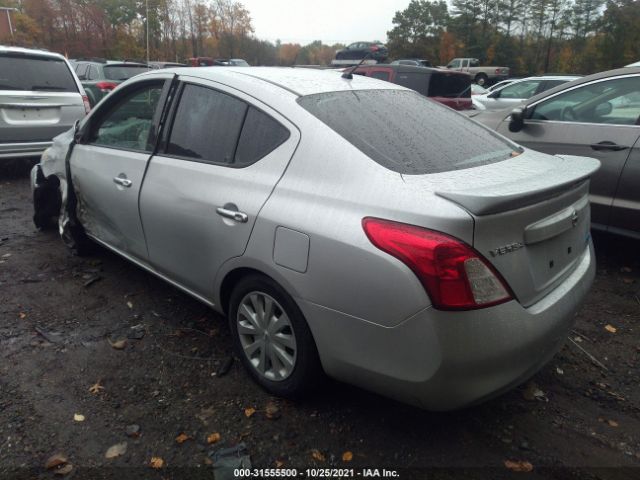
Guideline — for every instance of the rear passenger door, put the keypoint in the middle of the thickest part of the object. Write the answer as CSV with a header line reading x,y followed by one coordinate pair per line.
x,y
220,160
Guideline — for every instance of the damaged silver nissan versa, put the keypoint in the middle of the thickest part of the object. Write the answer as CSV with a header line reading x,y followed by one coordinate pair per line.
x,y
345,226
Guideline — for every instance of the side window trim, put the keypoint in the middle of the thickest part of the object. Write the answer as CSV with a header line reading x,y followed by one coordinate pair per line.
x,y
171,117
115,100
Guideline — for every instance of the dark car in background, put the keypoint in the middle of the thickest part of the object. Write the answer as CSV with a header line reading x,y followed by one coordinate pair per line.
x,y
373,52
596,116
415,62
99,77
452,89
40,97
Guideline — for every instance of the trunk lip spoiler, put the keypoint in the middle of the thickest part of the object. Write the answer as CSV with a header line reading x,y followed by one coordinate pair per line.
x,y
484,201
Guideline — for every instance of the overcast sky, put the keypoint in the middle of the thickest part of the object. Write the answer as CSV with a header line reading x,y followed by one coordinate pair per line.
x,y
332,21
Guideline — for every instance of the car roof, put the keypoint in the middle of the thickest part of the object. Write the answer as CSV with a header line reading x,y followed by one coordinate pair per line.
x,y
582,80
409,68
298,81
29,51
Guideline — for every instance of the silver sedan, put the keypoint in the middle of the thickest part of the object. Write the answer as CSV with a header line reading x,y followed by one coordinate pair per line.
x,y
344,226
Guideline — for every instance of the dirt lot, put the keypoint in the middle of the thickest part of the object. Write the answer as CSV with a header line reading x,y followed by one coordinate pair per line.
x,y
62,316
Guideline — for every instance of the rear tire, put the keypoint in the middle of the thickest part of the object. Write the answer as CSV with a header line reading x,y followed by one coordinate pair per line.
x,y
272,338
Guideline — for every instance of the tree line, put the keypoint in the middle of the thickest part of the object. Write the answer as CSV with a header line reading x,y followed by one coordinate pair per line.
x,y
178,30
529,36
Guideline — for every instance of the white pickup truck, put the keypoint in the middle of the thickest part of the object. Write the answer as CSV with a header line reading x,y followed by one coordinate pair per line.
x,y
480,75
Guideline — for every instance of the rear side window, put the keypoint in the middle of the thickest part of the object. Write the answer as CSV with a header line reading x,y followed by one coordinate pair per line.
x,y
260,135
381,75
407,133
123,72
207,125
450,85
35,73
414,80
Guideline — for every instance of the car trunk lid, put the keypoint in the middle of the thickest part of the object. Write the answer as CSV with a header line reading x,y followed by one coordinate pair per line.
x,y
531,216
32,116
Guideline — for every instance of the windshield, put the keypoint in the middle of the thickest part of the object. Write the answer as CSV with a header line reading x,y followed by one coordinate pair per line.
x,y
123,72
407,133
31,73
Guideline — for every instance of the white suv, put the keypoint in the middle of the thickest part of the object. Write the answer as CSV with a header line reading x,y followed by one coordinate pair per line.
x,y
40,97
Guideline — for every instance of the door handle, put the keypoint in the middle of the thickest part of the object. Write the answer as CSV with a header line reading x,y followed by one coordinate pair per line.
x,y
608,146
122,180
239,217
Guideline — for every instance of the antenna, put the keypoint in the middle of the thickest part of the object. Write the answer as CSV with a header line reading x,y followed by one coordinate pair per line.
x,y
349,74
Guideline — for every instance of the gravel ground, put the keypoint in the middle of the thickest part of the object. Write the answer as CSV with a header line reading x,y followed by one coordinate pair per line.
x,y
63,319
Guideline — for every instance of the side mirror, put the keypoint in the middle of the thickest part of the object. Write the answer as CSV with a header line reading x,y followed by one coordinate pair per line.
x,y
517,119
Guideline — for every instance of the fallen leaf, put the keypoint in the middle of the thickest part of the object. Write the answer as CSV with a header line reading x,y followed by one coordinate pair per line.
x,y
129,304
613,423
560,371
610,328
518,465
78,417
96,387
272,411
118,344
116,450
55,460
183,437
213,438
156,462
318,455
65,470
532,392
133,430
279,464
347,456
22,315
248,412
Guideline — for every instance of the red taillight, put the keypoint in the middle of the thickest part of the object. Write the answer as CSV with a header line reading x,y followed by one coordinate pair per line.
x,y
87,105
498,70
455,276
106,86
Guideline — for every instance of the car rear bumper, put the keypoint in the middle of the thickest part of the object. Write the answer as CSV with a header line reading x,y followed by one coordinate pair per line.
x,y
19,150
446,360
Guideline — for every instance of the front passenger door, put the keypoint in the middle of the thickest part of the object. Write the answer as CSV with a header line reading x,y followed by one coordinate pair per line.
x,y
109,163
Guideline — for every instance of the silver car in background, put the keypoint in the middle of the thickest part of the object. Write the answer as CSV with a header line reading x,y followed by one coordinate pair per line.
x,y
337,226
40,97
517,91
599,116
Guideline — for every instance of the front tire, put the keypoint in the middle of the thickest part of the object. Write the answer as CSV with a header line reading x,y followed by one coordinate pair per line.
x,y
272,338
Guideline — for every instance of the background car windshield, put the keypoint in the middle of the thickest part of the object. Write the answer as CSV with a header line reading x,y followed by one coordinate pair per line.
x,y
35,73
120,72
407,133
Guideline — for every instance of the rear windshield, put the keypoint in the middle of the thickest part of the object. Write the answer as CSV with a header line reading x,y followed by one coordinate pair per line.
x,y
407,133
21,72
450,85
123,72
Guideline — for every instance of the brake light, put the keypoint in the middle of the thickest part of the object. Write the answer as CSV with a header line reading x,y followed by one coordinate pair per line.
x,y
106,86
498,70
87,105
454,275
